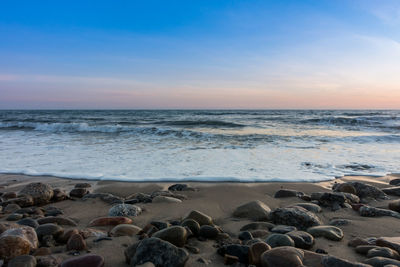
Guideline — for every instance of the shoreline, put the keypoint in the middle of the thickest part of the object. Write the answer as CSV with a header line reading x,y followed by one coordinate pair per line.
x,y
217,200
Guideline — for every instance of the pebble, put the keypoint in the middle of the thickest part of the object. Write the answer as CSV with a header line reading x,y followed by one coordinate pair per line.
x,y
257,226
255,252
176,235
283,229
125,230
309,206
192,225
199,217
330,232
383,252
41,193
106,221
164,199
124,210
283,193
245,235
240,251
282,257
49,229
14,217
381,262
279,240
301,239
78,192
76,242
208,231
57,220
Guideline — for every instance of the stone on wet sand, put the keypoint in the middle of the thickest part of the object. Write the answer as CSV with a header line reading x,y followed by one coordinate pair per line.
x,y
59,195
255,252
29,222
283,229
339,222
164,199
394,205
125,230
106,221
90,260
208,231
368,211
394,191
76,242
176,235
254,210
17,241
48,261
24,232
331,261
57,220
328,231
83,185
295,216
309,206
106,197
282,257
180,187
192,225
382,262
257,226
365,190
49,229
22,261
395,182
363,249
199,217
41,193
345,188
10,208
283,193
245,235
390,242
124,210
383,252
279,240
301,239
78,192
157,251
240,251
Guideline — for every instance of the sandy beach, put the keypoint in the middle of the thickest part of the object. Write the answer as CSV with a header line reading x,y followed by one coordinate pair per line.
x,y
217,200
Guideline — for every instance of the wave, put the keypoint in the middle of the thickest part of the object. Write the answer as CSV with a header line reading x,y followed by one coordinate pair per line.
x,y
201,123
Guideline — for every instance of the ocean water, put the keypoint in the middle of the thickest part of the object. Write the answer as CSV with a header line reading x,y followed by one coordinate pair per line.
x,y
201,145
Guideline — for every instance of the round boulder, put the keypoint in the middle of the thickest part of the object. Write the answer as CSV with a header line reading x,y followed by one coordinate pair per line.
x,y
40,192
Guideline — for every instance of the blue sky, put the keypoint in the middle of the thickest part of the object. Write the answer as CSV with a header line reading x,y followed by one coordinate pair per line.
x,y
200,54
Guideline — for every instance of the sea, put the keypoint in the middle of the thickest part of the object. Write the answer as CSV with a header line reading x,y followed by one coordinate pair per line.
x,y
200,145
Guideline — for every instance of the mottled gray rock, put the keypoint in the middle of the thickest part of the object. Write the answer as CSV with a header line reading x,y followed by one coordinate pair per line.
x,y
383,252
295,216
176,235
381,262
365,190
159,252
283,193
301,239
279,240
339,222
309,206
395,191
29,222
368,211
49,229
124,210
106,197
40,192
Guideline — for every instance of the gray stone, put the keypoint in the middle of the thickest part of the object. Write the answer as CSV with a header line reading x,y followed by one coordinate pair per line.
x,y
23,261
330,232
331,261
365,190
395,191
257,226
382,262
283,193
41,193
199,217
254,210
383,252
279,240
295,216
240,251
124,210
176,235
309,206
29,222
301,239
192,225
49,229
282,257
368,211
208,231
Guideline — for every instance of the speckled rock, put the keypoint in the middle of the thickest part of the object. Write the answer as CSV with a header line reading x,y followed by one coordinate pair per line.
x,y
49,229
76,242
301,239
309,206
295,216
124,210
368,211
40,192
283,193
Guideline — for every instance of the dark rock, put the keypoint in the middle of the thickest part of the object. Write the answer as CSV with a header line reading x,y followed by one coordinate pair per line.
x,y
176,235
339,222
335,200
346,188
245,235
84,261
229,259
48,261
78,192
240,251
160,225
41,193
282,257
76,242
83,185
394,205
257,226
208,231
259,233
124,210
254,210
23,261
59,195
49,229
390,242
10,208
29,222
295,216
383,252
283,193
368,211
48,241
106,197
43,251
157,251
330,232
255,252
363,249
365,190
199,217
192,225
309,206
283,229
279,240
394,191
301,239
355,242
395,182
381,262
9,195
104,221
330,261
180,187
192,249
14,217
57,220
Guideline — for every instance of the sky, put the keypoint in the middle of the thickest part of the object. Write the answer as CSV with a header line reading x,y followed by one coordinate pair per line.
x,y
308,54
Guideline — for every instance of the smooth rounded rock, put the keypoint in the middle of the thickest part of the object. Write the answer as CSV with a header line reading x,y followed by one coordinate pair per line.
x,y
192,225
295,216
176,235
84,261
199,217
57,220
49,229
12,246
29,222
383,252
25,232
279,240
208,231
257,226
125,230
78,192
283,193
330,232
106,221
282,257
165,199
301,239
394,205
76,242
283,229
309,206
253,210
255,252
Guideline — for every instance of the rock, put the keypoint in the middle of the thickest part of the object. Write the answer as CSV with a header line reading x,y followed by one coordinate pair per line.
x,y
83,185
12,246
282,257
14,217
28,222
330,232
383,252
395,191
368,211
57,220
106,221
84,261
229,259
335,200
330,261
240,251
395,182
160,225
49,229
339,222
301,239
254,210
346,188
363,249
40,192
106,197
76,242
163,199
257,226
259,233
124,210
43,251
180,187
157,251
125,230
381,262
23,261
283,229
245,235
282,193
176,235
25,232
279,240
147,264
78,192
208,231
255,252
199,217
295,216
192,225
355,242
365,190
309,206
10,208
394,205
48,261
390,242
9,195
59,195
